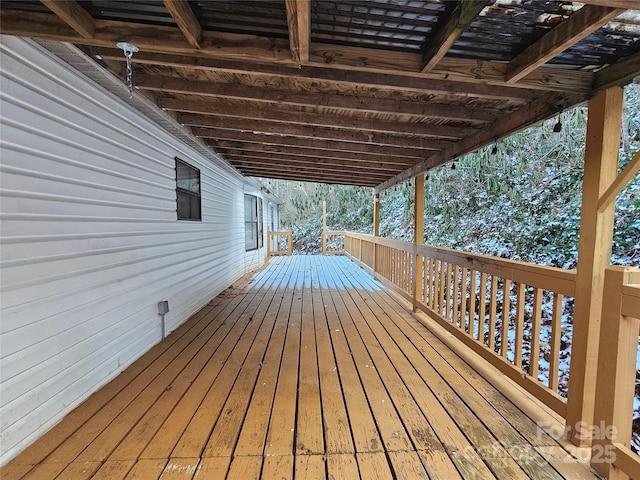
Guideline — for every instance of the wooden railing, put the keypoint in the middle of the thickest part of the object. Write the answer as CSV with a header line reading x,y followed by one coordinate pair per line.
x,y
333,242
279,243
616,376
499,308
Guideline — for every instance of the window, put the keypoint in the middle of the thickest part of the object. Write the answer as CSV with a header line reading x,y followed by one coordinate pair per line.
x,y
187,191
252,222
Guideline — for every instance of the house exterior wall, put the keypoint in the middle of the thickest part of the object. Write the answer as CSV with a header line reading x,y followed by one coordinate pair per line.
x,y
90,240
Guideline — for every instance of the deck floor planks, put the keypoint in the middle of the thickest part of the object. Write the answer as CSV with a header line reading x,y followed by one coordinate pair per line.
x,y
366,437
296,357
228,426
243,353
282,424
337,433
252,437
309,429
427,388
163,443
413,400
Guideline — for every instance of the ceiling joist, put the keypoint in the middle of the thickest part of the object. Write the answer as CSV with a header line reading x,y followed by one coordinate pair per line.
x,y
330,147
304,99
578,26
186,20
73,15
369,93
299,23
463,15
308,131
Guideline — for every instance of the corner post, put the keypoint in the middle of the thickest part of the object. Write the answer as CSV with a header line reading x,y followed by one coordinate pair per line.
x,y
594,256
616,376
418,237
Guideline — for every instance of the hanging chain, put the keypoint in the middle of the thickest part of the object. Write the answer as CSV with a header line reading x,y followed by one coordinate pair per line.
x,y
129,55
128,50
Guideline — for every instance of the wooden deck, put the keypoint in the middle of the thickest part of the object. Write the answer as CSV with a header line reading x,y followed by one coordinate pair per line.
x,y
308,369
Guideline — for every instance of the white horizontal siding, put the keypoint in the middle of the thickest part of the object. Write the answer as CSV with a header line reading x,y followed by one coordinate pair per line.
x,y
89,239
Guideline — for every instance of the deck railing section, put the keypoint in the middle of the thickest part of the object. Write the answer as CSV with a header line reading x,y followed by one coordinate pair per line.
x,y
333,242
508,312
279,243
616,380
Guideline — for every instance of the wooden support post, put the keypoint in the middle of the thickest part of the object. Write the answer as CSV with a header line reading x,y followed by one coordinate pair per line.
x,y
616,375
418,237
594,256
376,215
376,229
324,227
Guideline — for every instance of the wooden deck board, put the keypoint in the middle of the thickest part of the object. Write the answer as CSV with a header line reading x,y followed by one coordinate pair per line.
x,y
306,369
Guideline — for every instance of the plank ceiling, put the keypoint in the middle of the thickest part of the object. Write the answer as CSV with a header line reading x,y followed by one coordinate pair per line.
x,y
365,92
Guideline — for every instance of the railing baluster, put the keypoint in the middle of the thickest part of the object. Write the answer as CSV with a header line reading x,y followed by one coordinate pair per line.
x,y
520,299
506,310
556,331
472,304
449,280
456,292
463,300
482,307
534,360
493,313
443,268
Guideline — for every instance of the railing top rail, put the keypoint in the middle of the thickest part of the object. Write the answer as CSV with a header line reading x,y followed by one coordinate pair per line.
x,y
556,279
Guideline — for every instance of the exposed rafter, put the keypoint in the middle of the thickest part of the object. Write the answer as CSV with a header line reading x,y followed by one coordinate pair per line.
x,y
354,94
276,128
299,22
578,26
168,40
329,147
619,73
287,110
72,14
438,46
412,82
312,156
182,13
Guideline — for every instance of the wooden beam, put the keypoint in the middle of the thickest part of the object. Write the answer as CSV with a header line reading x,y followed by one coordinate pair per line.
x,y
277,128
578,26
618,74
328,146
299,99
220,45
299,22
454,69
594,256
278,163
438,46
71,13
418,209
324,162
305,153
182,13
290,120
627,174
330,77
320,177
149,38
540,109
